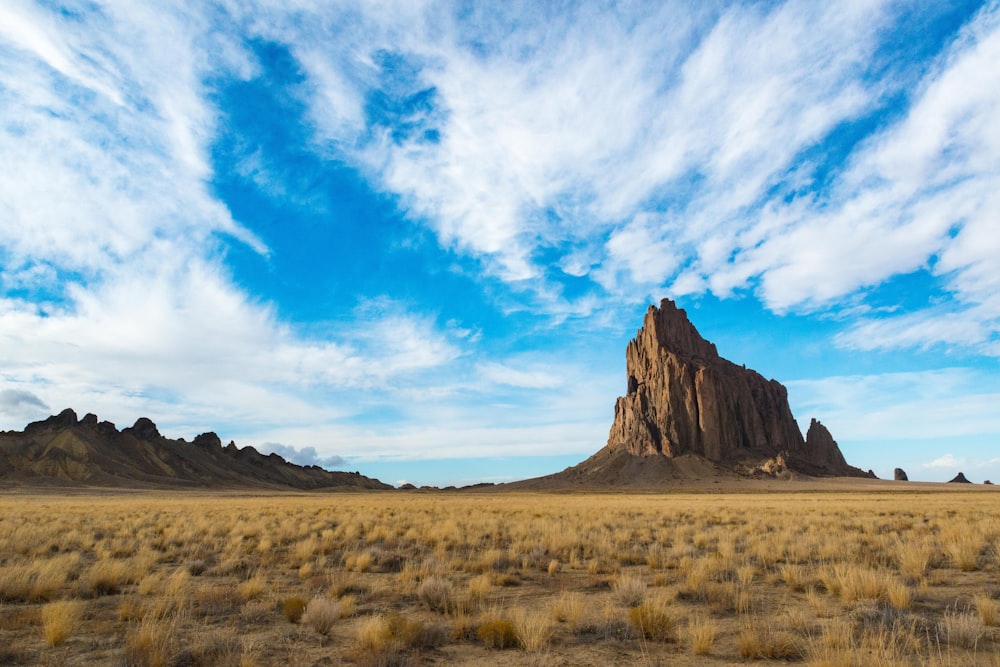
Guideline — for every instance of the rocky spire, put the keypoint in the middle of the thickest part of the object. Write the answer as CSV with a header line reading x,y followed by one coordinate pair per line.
x,y
683,398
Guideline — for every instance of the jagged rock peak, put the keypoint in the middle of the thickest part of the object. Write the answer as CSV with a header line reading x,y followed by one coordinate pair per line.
x,y
209,440
66,418
822,448
683,398
900,475
671,329
144,429
960,478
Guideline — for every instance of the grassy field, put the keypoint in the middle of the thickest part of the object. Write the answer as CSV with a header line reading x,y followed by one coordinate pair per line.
x,y
836,578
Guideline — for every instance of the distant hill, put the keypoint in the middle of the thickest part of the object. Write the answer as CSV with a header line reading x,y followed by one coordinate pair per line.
x,y
65,450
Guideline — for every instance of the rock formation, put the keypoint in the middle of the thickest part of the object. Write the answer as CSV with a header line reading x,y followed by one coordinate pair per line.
x,y
959,479
63,450
683,398
900,475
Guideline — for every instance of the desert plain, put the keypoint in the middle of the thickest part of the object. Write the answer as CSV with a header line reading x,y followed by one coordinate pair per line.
x,y
836,572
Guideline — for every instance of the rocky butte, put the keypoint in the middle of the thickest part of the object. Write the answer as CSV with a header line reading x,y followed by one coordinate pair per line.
x,y
689,413
683,398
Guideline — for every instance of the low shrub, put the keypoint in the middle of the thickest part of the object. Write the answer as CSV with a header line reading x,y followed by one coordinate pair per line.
x,y
498,633
293,608
654,621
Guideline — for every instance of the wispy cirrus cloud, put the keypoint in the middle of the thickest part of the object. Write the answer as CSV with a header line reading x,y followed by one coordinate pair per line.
x,y
674,150
922,194
585,158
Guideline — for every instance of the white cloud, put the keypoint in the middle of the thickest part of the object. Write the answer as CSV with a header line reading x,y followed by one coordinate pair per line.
x,y
304,456
947,461
140,341
924,405
641,148
513,377
922,194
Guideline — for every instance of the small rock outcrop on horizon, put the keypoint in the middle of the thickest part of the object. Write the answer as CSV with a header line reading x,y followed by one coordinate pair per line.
x,y
64,450
900,475
959,479
689,415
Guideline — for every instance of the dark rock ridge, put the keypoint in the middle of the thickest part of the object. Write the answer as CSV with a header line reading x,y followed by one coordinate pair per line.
x,y
900,475
959,479
64,450
684,399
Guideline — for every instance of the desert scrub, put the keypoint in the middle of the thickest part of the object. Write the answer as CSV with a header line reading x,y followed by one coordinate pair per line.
x,y
757,641
988,609
963,545
151,642
629,590
49,576
701,633
480,587
436,594
252,588
388,640
654,621
293,608
105,577
569,608
321,614
60,620
913,558
177,582
497,633
534,629
963,629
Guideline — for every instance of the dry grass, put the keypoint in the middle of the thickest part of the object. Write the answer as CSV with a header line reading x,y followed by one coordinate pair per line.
x,y
534,629
497,633
963,629
629,590
570,608
60,620
761,641
321,614
845,578
701,633
654,620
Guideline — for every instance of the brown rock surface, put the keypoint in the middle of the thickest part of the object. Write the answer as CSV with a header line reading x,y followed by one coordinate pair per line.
x,y
683,398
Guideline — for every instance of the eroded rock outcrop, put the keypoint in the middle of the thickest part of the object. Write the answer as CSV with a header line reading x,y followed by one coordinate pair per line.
x,y
64,450
960,478
900,475
683,398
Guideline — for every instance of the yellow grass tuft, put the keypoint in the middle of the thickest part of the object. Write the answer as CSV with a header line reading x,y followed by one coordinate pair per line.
x,y
653,620
497,633
534,629
701,633
60,620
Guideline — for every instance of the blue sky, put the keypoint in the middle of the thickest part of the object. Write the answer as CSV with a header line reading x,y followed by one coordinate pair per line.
x,y
414,239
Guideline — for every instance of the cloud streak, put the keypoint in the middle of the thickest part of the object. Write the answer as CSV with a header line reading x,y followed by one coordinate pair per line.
x,y
579,160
